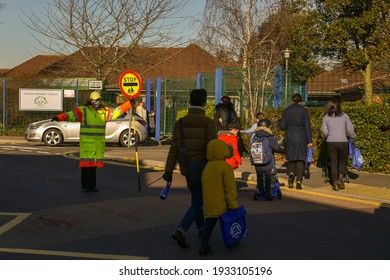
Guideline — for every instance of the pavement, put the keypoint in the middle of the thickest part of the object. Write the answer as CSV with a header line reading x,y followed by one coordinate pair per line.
x,y
371,188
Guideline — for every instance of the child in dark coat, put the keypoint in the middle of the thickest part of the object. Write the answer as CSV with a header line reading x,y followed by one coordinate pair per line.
x,y
264,172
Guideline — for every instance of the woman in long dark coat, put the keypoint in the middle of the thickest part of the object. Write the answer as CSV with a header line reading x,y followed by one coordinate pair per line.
x,y
296,122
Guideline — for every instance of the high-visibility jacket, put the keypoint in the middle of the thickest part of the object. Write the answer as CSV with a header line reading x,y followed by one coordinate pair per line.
x,y
93,130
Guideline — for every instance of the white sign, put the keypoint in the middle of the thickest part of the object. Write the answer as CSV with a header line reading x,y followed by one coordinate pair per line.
x,y
40,99
69,93
95,84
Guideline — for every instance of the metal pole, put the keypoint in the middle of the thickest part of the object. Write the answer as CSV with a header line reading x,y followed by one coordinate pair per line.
x,y
4,99
199,80
286,56
286,94
148,93
218,85
158,108
77,93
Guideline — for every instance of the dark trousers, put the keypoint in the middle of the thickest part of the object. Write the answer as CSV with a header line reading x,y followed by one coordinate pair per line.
x,y
208,228
88,177
338,154
194,212
296,167
263,180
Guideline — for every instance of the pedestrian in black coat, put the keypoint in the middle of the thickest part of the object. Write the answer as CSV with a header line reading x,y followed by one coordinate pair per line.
x,y
296,122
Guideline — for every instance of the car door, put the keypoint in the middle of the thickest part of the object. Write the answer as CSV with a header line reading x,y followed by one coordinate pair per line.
x,y
72,131
115,127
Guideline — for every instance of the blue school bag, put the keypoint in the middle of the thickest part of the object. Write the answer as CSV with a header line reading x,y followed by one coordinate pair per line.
x,y
260,151
233,225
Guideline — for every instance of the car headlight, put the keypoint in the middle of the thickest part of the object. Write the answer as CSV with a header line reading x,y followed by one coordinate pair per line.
x,y
34,126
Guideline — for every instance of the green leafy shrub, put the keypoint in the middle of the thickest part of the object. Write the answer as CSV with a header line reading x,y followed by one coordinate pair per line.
x,y
209,111
372,127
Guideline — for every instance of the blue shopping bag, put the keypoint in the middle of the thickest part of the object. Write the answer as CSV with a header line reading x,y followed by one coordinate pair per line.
x,y
309,156
357,159
355,154
351,147
233,225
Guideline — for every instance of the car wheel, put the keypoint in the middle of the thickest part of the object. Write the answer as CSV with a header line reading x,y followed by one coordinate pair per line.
x,y
124,138
52,137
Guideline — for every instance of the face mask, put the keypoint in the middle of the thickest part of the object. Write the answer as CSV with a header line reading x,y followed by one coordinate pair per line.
x,y
96,103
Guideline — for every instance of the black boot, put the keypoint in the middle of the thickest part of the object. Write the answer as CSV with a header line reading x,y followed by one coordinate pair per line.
x,y
340,182
335,186
291,181
205,249
180,238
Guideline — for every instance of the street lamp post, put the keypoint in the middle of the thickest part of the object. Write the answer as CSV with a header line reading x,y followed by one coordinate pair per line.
x,y
286,56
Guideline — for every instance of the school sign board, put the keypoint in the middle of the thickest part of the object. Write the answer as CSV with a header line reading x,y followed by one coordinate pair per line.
x,y
40,99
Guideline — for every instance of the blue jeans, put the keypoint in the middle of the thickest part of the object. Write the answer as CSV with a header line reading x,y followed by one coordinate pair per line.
x,y
194,212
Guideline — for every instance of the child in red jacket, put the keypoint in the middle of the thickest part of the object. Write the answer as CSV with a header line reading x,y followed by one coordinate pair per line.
x,y
230,137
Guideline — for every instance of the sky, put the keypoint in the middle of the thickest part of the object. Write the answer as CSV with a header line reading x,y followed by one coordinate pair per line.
x,y
17,44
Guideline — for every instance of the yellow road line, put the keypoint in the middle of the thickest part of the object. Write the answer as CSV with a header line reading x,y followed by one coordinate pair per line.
x,y
323,194
345,198
19,218
71,254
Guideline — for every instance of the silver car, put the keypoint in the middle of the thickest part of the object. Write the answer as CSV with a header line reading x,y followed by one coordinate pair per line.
x,y
117,131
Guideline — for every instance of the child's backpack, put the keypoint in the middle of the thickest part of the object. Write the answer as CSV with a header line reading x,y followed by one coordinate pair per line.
x,y
260,151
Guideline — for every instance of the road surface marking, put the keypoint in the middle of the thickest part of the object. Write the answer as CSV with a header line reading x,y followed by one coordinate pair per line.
x,y
71,254
20,217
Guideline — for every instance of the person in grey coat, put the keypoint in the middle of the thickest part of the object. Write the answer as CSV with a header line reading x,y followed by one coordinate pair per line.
x,y
296,122
335,126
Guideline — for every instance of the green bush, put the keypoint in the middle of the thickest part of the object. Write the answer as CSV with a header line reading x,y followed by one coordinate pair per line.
x,y
372,127
371,123
209,111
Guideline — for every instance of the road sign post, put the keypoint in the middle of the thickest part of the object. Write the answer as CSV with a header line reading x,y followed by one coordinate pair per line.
x,y
130,84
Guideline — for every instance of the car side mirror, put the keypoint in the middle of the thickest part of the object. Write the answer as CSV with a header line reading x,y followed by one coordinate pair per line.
x,y
123,115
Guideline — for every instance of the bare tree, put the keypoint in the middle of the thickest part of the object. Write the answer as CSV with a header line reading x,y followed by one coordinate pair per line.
x,y
231,30
2,6
98,28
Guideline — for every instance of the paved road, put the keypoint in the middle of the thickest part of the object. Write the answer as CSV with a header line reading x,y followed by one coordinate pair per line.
x,y
44,215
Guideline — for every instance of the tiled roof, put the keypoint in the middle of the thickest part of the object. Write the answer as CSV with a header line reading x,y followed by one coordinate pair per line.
x,y
3,71
327,82
32,67
337,80
181,63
